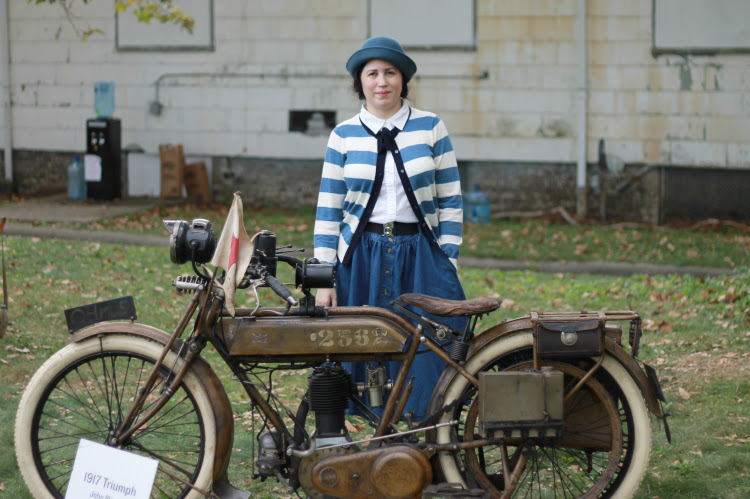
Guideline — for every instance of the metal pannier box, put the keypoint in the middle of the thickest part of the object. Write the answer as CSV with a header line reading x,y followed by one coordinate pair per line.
x,y
521,404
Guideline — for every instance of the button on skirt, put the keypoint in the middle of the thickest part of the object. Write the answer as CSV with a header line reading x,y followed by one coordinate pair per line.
x,y
383,268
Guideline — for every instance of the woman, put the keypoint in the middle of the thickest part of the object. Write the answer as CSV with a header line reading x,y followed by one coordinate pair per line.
x,y
390,211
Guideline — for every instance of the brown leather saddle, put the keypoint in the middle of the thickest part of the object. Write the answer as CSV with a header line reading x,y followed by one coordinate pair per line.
x,y
451,308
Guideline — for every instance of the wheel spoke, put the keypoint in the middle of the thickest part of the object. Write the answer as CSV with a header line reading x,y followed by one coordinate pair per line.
x,y
160,421
157,454
79,403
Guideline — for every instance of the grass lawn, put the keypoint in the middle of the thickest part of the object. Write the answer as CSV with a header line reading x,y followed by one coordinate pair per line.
x,y
708,243
697,329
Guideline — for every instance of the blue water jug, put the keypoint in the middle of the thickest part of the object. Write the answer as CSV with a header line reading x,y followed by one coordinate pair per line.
x,y
76,180
477,206
104,98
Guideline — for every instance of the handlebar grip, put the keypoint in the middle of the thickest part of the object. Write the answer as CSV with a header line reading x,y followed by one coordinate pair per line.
x,y
281,290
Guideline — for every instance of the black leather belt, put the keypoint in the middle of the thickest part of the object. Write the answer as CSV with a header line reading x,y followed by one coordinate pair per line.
x,y
393,229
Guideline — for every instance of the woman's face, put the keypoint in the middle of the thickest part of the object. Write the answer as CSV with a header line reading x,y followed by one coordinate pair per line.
x,y
382,83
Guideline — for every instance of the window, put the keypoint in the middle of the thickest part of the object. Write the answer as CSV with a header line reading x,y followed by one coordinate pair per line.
x,y
425,24
700,26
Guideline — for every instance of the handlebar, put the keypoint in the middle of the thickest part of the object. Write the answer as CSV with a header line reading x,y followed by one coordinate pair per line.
x,y
281,290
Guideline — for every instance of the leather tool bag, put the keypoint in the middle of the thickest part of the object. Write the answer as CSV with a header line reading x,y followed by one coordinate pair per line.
x,y
570,339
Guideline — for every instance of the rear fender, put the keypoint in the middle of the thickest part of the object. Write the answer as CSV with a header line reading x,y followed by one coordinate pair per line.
x,y
636,372
222,410
506,328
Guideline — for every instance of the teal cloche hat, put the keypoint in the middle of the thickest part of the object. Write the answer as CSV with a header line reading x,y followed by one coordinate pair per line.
x,y
387,49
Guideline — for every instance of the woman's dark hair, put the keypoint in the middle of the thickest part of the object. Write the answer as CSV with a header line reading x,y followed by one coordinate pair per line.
x,y
357,84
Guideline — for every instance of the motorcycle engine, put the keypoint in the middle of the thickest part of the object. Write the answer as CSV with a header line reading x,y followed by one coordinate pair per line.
x,y
329,389
391,471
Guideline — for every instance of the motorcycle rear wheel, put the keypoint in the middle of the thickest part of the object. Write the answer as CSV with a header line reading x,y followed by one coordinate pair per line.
x,y
560,468
86,389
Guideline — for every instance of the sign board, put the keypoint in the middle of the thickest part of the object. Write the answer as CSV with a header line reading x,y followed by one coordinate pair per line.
x,y
104,472
122,309
92,165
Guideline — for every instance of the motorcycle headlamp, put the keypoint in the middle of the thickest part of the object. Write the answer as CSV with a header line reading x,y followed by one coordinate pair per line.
x,y
194,242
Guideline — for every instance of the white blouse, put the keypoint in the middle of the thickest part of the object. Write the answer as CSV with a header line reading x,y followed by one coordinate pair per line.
x,y
391,204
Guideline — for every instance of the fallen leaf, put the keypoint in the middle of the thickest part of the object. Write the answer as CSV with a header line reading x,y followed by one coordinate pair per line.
x,y
352,428
684,394
649,325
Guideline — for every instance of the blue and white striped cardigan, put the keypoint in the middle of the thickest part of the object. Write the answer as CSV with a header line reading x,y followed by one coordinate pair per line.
x,y
349,172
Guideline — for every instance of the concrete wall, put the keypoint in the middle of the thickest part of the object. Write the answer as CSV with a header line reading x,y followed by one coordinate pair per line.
x,y
275,56
670,110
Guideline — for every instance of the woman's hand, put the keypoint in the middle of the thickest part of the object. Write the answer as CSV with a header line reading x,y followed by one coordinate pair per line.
x,y
326,297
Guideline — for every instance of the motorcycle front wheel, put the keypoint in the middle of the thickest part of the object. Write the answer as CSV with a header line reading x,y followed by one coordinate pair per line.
x,y
604,451
85,390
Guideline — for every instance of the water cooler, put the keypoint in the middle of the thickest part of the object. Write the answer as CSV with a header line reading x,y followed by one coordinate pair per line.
x,y
476,206
103,140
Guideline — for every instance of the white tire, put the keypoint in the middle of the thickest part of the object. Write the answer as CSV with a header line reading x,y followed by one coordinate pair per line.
x,y
82,391
636,423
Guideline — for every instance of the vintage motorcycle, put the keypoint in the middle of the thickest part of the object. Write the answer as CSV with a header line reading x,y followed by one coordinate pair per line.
x,y
545,405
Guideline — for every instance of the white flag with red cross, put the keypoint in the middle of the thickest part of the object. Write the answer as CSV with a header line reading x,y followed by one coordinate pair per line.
x,y
233,252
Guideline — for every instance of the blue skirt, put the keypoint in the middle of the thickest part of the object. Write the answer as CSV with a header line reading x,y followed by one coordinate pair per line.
x,y
383,268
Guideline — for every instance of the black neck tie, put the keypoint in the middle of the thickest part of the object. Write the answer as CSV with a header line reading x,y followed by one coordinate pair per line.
x,y
386,142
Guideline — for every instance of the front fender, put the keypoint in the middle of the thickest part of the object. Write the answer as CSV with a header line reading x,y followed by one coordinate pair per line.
x,y
502,330
127,328
222,410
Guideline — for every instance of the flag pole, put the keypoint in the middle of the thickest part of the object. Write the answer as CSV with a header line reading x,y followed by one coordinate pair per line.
x,y
4,306
2,247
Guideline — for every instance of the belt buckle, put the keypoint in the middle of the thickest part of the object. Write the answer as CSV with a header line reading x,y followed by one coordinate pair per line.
x,y
388,229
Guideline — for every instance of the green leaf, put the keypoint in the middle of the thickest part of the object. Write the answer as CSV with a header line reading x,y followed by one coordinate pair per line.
x,y
91,31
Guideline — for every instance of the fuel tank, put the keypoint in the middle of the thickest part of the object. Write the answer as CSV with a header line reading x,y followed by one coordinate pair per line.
x,y
339,338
